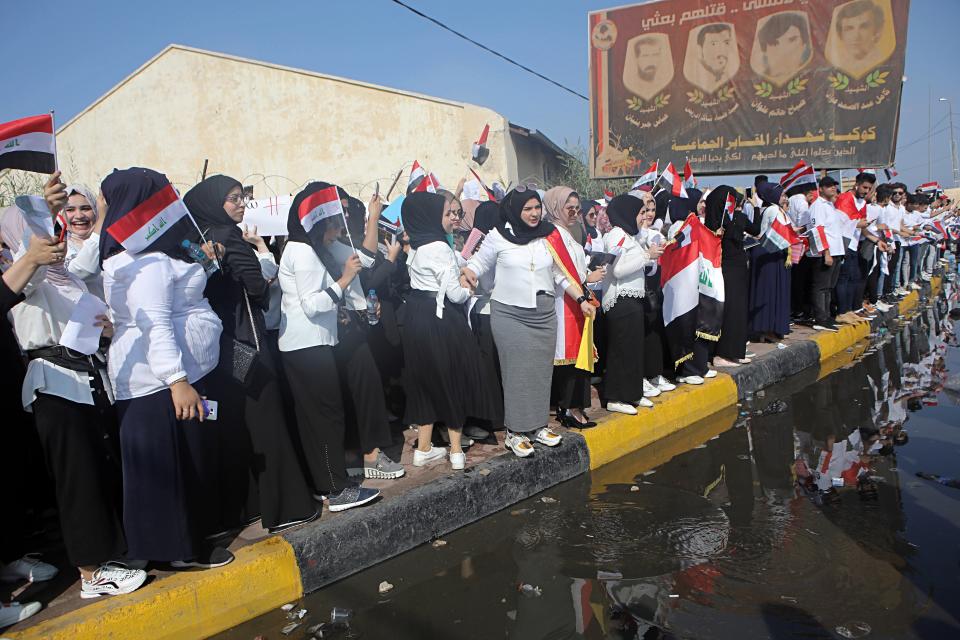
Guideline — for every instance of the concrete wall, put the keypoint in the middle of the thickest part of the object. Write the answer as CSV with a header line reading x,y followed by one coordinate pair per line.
x,y
534,163
277,128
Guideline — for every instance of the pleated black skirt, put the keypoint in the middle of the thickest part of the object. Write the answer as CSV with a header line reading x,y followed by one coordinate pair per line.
x,y
441,376
492,384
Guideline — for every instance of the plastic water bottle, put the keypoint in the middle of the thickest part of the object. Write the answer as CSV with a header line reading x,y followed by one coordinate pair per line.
x,y
194,251
372,302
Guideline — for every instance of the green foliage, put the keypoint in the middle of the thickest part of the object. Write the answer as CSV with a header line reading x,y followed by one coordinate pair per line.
x,y
19,183
576,175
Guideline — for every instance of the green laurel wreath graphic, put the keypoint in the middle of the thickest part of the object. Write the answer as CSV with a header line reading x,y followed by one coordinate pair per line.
x,y
763,89
695,96
796,85
839,81
876,78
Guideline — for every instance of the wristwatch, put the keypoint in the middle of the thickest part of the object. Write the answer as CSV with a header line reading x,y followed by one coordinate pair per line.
x,y
583,299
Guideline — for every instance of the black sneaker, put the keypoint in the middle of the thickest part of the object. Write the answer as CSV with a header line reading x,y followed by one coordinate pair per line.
x,y
826,325
216,557
294,523
351,497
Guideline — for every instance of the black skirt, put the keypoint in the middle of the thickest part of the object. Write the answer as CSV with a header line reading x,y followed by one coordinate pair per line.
x,y
492,384
733,336
623,379
441,376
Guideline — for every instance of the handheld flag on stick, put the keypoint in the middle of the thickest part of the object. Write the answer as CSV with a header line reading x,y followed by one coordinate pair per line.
x,y
490,194
780,236
29,144
670,181
729,206
818,239
688,180
479,152
320,205
801,173
149,221
644,182
420,180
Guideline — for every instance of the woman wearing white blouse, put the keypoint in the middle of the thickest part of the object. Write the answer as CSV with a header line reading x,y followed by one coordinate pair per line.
x,y
314,285
70,399
623,290
441,376
523,317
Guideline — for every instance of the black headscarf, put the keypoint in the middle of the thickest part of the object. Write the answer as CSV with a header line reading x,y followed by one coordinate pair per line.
x,y
716,200
585,207
694,196
356,219
422,215
520,232
205,202
769,193
487,216
662,199
680,208
623,211
125,190
296,232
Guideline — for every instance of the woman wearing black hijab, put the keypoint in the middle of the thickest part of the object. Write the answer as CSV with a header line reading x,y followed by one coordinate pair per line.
x,y
442,373
314,285
769,279
523,316
731,348
260,473
164,348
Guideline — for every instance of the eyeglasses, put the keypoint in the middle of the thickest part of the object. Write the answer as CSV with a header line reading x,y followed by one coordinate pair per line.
x,y
237,198
456,213
575,209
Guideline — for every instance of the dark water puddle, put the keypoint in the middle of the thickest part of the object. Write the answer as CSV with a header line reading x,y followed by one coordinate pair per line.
x,y
717,537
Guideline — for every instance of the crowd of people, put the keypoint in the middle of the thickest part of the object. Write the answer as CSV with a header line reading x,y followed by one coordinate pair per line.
x,y
491,320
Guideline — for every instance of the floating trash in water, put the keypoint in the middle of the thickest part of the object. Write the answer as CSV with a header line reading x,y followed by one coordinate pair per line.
x,y
548,500
484,472
340,617
775,407
854,629
634,488
789,599
609,575
315,628
780,345
296,615
518,512
384,587
436,544
530,590
287,630
761,393
674,595
286,607
743,456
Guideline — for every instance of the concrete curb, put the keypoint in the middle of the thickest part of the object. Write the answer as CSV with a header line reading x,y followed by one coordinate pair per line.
x,y
278,570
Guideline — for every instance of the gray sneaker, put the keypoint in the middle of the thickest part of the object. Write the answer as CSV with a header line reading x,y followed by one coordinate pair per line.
x,y
351,497
383,468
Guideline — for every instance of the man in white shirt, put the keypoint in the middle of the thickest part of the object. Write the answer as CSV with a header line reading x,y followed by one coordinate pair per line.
x,y
826,263
852,207
798,210
893,219
916,205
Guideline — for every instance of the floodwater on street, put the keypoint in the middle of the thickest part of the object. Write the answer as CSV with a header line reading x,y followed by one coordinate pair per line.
x,y
770,528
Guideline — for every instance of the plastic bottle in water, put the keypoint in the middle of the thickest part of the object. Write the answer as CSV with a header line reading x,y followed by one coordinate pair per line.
x,y
372,302
194,251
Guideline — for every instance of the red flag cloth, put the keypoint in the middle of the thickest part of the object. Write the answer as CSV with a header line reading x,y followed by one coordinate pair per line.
x,y
28,144
847,203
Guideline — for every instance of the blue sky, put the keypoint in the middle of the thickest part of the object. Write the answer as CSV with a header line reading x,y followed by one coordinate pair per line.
x,y
94,46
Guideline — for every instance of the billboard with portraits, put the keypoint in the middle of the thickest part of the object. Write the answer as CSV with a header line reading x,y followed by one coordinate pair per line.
x,y
745,85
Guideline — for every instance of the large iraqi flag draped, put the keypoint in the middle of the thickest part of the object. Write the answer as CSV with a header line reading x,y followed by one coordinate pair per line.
x,y
693,288
28,144
574,330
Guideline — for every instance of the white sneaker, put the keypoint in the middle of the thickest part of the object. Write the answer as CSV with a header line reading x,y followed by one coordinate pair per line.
x,y
663,384
15,612
29,568
622,407
649,390
644,402
421,458
915,286
458,460
711,373
548,437
519,444
883,306
690,380
112,581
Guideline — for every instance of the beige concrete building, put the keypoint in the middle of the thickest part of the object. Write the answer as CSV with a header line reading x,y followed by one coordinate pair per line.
x,y
276,128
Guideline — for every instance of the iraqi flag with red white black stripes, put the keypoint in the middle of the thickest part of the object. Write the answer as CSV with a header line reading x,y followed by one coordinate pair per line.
x,y
780,236
817,237
730,206
28,144
801,173
646,181
420,180
318,206
670,181
141,227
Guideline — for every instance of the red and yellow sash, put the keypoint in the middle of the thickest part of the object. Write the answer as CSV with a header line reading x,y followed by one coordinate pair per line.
x,y
577,328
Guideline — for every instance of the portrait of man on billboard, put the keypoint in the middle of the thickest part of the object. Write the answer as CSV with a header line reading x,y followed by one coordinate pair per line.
x,y
648,67
861,36
712,57
781,48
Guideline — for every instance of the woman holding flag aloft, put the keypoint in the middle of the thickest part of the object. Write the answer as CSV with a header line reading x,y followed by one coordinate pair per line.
x,y
624,386
570,391
530,260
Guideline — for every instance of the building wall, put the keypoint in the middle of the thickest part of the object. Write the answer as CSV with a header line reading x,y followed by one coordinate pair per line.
x,y
277,128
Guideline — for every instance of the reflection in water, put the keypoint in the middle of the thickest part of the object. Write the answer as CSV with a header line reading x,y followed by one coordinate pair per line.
x,y
803,518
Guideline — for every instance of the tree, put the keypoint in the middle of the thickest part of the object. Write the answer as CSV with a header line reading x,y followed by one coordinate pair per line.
x,y
576,175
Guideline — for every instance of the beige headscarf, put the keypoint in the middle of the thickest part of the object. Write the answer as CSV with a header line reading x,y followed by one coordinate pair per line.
x,y
553,201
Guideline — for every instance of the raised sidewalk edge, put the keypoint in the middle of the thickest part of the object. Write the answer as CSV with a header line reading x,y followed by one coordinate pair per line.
x,y
278,570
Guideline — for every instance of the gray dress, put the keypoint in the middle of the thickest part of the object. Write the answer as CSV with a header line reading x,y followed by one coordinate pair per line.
x,y
526,339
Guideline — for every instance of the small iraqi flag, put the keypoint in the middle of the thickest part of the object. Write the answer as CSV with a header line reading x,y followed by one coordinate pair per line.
x,y
28,144
930,187
479,151
818,239
420,180
729,206
319,205
646,181
801,173
146,223
688,180
670,181
779,236
490,194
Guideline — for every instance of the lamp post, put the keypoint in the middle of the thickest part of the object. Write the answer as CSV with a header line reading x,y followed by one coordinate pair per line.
x,y
953,144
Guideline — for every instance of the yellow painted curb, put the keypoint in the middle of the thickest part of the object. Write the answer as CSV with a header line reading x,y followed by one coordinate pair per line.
x,y
830,344
187,605
619,434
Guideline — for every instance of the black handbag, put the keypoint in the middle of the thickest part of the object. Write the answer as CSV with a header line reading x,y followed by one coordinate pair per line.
x,y
238,359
